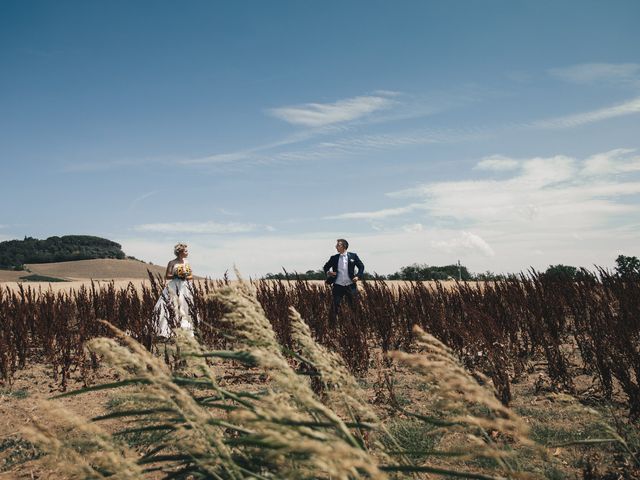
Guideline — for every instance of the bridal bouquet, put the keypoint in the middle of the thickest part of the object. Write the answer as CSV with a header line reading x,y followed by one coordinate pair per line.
x,y
182,272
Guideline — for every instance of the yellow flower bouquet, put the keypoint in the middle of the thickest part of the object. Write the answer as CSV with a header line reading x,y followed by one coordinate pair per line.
x,y
182,272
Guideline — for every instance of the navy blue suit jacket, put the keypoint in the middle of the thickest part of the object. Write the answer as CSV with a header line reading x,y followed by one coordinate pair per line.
x,y
353,262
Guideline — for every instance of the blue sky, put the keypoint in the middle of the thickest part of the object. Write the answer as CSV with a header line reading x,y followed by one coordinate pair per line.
x,y
504,134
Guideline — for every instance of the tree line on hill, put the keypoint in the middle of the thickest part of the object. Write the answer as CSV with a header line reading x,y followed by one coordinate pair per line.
x,y
415,271
14,254
626,266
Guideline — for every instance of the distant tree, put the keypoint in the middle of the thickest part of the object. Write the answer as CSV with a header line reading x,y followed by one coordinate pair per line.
x,y
565,272
377,276
627,266
308,275
489,276
560,272
420,272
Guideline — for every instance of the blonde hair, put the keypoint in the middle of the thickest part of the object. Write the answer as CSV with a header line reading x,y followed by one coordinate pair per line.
x,y
179,247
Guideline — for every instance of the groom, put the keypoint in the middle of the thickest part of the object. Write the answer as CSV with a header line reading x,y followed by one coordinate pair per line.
x,y
340,271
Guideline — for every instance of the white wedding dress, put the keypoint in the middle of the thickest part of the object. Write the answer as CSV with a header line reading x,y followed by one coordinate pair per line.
x,y
178,294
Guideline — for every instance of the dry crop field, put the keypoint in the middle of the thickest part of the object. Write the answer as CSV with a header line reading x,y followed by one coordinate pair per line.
x,y
83,271
528,375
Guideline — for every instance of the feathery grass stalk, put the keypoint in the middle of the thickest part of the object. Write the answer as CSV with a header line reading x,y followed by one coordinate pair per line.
x,y
84,451
253,333
460,392
197,434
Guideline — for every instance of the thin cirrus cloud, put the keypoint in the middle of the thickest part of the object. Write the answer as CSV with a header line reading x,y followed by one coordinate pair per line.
x,y
378,214
209,227
362,143
593,73
497,163
345,145
141,198
356,144
622,109
323,114
335,120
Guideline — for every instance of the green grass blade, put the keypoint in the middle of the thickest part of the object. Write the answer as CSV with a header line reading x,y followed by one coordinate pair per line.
x,y
132,413
150,428
105,386
589,441
242,357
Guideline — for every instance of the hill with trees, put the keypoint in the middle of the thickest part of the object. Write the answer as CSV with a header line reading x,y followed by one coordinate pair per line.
x,y
421,272
14,254
417,272
626,267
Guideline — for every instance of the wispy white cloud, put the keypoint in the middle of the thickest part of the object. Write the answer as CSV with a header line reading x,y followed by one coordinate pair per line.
x,y
109,164
226,212
344,123
387,93
497,163
592,73
413,228
140,198
466,241
344,144
552,194
260,152
376,214
423,136
612,162
321,114
209,227
626,108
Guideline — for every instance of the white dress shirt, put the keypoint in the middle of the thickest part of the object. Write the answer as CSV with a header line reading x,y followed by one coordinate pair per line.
x,y
343,270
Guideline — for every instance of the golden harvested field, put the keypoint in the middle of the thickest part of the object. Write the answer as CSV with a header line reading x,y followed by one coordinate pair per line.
x,y
82,272
98,269
121,272
74,285
11,276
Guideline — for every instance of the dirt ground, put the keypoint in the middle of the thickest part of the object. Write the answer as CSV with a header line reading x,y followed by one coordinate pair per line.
x,y
553,417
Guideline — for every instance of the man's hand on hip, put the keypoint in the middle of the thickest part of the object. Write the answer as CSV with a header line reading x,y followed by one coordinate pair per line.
x,y
331,274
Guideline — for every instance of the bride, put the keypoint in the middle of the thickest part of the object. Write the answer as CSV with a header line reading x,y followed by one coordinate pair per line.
x,y
176,296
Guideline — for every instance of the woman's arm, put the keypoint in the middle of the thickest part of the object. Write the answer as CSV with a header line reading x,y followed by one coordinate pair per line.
x,y
168,275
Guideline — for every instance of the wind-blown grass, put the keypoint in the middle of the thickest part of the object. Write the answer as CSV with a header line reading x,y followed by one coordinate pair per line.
x,y
307,419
